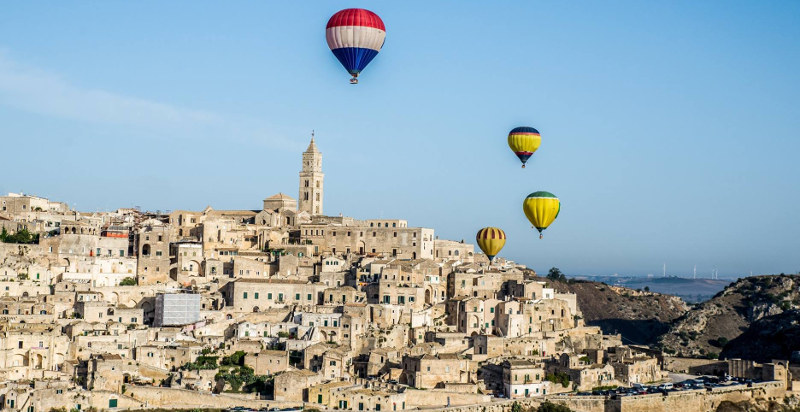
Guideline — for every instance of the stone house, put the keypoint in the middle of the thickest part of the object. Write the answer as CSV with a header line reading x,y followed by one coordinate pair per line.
x,y
293,385
431,371
268,362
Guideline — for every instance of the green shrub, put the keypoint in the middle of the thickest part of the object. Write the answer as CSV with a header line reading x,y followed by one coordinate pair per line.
x,y
129,281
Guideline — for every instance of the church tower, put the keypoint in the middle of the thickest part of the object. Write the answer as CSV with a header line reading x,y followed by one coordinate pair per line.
x,y
311,180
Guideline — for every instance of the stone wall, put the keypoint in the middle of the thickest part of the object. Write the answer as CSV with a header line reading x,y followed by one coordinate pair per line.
x,y
694,366
433,398
699,400
156,397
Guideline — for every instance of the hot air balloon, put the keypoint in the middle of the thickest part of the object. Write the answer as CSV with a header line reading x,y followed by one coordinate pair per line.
x,y
355,36
491,240
524,141
541,208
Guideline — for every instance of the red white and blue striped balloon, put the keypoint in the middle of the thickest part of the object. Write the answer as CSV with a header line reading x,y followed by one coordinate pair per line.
x,y
355,36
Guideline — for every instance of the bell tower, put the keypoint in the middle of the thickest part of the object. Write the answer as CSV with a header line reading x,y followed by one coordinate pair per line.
x,y
311,180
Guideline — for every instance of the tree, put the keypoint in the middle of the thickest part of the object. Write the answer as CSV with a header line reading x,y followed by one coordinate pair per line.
x,y
22,236
548,406
237,359
129,281
647,288
556,274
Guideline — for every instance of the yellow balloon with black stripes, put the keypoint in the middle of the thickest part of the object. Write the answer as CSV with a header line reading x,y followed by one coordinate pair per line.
x,y
524,141
491,240
541,208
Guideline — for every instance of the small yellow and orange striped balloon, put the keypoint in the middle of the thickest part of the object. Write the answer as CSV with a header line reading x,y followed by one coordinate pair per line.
x,y
491,240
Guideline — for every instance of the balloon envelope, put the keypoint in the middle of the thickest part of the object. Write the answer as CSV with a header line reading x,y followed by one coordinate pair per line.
x,y
523,141
355,36
491,240
541,208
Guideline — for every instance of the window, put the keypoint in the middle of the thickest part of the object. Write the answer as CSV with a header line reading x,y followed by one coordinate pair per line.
x,y
245,295
255,295
269,296
395,234
296,296
309,296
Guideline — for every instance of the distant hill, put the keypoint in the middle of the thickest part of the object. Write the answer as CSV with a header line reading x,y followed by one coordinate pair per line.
x,y
641,317
713,325
689,289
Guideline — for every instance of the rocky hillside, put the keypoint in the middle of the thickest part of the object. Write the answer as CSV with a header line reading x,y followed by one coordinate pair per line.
x,y
772,337
709,327
641,317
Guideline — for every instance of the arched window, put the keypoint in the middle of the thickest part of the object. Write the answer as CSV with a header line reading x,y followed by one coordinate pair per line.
x,y
146,250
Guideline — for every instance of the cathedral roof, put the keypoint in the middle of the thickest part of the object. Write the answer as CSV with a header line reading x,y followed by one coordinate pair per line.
x,y
280,196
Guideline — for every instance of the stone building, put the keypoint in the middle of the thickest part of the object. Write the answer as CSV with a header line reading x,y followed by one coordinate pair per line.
x,y
253,295
268,362
522,379
153,253
380,237
431,371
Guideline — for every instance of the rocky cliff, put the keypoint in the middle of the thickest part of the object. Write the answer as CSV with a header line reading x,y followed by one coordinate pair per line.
x,y
711,326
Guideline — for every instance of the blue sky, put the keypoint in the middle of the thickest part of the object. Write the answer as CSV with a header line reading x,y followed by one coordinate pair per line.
x,y
669,129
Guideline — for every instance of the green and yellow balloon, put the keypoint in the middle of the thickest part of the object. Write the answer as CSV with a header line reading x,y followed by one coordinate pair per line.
x,y
491,240
541,208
